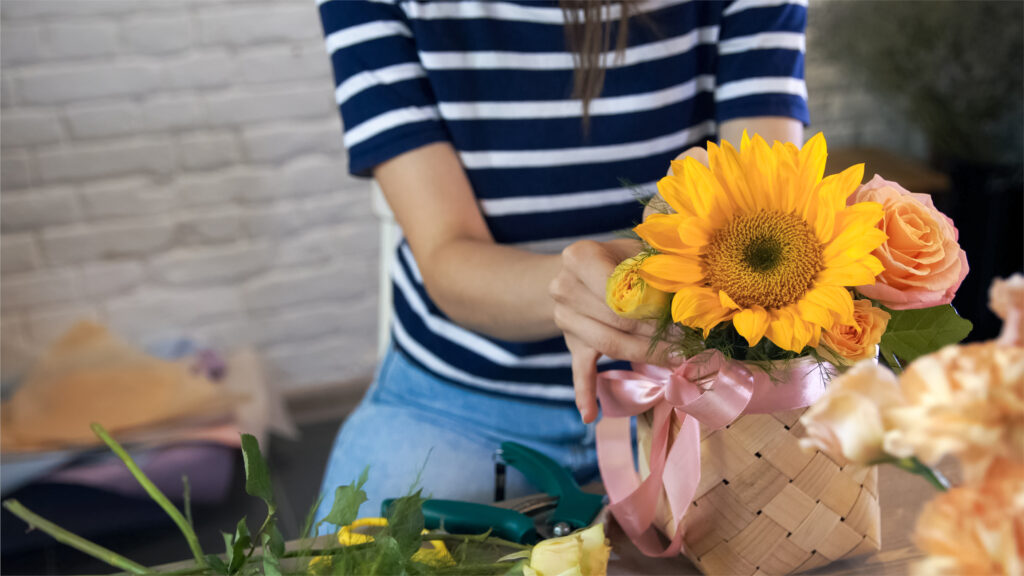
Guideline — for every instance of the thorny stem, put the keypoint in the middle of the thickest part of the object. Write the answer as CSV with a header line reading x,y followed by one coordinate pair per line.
x,y
75,541
154,493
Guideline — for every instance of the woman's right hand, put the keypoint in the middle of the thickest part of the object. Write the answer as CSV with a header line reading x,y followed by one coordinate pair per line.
x,y
590,327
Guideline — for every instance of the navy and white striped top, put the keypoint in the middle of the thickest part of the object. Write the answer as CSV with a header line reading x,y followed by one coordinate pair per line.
x,y
494,79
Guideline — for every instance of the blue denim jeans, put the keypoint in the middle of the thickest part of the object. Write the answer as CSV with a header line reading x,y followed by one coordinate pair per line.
x,y
413,424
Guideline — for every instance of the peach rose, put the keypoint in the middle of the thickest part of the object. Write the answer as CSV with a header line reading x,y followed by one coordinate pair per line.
x,y
858,342
848,421
924,264
965,400
1006,299
975,529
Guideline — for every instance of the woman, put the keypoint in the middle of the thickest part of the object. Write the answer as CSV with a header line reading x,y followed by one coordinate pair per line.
x,y
499,133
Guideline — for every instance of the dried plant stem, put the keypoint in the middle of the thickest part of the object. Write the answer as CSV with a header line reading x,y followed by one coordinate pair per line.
x,y
154,493
77,542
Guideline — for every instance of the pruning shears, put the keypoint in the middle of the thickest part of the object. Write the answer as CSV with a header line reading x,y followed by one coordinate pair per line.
x,y
561,508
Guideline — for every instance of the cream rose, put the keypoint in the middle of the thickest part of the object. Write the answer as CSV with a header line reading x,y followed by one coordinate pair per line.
x,y
858,342
1006,299
848,422
924,264
583,553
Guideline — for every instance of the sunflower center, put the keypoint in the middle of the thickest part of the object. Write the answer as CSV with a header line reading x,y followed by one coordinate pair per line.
x,y
767,259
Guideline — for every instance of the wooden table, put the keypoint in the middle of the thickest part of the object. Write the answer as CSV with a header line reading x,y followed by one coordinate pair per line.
x,y
902,496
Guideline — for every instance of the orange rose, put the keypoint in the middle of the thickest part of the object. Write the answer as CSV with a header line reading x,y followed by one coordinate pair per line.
x,y
975,529
924,264
858,342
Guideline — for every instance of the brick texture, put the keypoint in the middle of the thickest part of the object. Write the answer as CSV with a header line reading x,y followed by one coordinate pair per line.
x,y
174,167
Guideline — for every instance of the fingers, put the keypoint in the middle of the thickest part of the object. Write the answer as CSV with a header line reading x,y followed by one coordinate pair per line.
x,y
603,338
584,380
568,291
590,263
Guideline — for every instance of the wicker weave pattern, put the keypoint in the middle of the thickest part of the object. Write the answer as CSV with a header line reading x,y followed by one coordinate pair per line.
x,y
764,506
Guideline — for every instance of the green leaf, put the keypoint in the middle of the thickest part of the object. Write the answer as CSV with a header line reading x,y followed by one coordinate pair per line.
x,y
405,523
236,550
273,549
257,475
347,500
914,333
216,564
389,557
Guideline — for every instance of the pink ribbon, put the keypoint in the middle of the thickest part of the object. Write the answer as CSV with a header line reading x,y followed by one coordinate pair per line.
x,y
707,389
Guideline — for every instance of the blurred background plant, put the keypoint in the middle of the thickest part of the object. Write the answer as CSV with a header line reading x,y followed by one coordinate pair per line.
x,y
956,69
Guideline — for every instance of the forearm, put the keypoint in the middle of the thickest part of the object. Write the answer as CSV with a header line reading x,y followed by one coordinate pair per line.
x,y
500,290
494,289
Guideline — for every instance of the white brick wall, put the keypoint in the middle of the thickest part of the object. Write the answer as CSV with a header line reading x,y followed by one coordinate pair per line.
x,y
175,167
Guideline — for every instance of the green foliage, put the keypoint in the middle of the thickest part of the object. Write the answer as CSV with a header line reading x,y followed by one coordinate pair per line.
x,y
347,501
405,522
390,551
257,475
914,333
235,546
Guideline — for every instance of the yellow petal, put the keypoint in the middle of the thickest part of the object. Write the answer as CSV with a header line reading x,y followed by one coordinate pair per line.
x,y
672,189
662,232
815,313
670,273
857,273
726,301
835,299
831,195
698,307
725,165
694,232
751,323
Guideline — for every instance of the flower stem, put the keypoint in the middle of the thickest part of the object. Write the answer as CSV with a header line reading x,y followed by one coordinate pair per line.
x,y
933,476
154,493
73,540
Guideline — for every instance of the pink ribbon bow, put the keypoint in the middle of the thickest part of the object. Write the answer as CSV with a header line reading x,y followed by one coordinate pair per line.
x,y
707,389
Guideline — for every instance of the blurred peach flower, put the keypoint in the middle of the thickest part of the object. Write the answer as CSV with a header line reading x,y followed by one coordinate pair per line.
x,y
848,422
965,400
1006,299
858,342
975,529
924,264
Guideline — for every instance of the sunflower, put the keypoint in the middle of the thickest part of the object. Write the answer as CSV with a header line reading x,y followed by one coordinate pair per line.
x,y
762,240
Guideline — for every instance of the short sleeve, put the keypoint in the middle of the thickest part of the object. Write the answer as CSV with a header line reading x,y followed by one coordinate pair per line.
x,y
760,72
386,102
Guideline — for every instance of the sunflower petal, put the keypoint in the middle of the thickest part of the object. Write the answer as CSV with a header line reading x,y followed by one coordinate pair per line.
x,y
670,273
751,323
815,313
726,301
662,232
694,232
698,307
672,190
835,299
857,273
725,165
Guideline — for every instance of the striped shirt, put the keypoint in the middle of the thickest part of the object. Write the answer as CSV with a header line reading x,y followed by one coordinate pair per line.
x,y
494,79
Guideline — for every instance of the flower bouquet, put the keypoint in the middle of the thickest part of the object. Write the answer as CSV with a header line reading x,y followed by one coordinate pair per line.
x,y
766,278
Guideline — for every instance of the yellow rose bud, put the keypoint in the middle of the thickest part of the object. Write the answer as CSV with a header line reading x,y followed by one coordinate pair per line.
x,y
629,296
858,342
582,553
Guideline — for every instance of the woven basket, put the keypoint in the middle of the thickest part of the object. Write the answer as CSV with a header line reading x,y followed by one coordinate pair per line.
x,y
764,506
